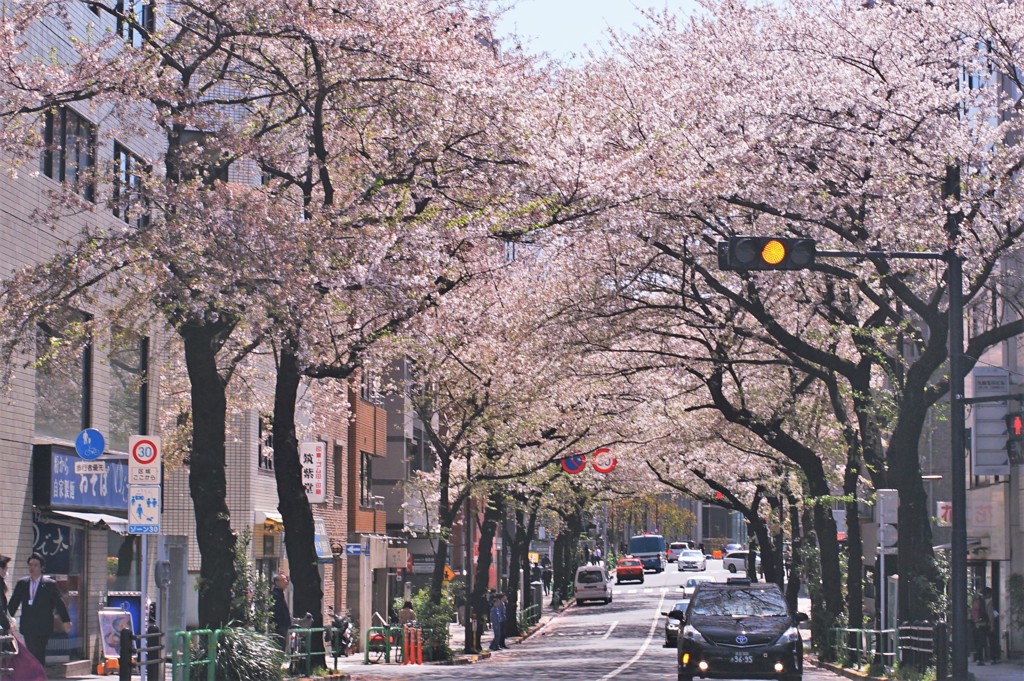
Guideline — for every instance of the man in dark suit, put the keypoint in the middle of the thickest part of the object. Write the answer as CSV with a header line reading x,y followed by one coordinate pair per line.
x,y
39,599
282,616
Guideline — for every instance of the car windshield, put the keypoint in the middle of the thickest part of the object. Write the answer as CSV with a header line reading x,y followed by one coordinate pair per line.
x,y
693,554
694,581
630,563
677,545
590,577
681,606
740,603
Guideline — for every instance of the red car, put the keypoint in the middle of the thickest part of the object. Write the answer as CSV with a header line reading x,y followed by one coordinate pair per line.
x,y
629,569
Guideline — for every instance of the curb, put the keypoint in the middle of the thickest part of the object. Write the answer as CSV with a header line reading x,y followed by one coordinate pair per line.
x,y
843,671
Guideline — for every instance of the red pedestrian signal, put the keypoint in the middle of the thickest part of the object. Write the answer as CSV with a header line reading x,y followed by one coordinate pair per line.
x,y
1015,426
742,253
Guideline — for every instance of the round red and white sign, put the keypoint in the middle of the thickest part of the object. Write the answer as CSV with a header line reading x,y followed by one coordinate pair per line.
x,y
574,463
604,462
144,452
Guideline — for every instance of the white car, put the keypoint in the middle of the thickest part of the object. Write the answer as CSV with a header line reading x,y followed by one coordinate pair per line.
x,y
593,584
676,548
692,582
737,562
692,560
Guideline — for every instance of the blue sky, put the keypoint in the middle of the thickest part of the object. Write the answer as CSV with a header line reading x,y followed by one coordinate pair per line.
x,y
563,28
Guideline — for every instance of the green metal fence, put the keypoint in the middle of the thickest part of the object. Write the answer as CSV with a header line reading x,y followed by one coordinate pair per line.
x,y
182,663
528,617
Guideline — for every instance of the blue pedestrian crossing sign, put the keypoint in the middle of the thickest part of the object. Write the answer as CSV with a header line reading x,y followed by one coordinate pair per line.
x,y
144,509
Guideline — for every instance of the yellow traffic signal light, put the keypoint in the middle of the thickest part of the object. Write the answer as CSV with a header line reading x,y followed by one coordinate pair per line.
x,y
766,253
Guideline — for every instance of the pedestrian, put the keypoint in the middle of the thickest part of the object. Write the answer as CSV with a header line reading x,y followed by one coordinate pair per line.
x,y
545,577
596,556
535,572
994,649
40,601
980,619
282,616
5,620
406,615
497,622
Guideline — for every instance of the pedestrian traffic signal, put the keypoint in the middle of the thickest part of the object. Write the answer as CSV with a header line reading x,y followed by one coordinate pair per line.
x,y
742,253
1015,426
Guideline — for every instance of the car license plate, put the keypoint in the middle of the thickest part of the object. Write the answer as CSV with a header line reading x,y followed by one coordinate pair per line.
x,y
742,658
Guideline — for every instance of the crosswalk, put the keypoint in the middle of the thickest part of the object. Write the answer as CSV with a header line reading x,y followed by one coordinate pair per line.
x,y
647,590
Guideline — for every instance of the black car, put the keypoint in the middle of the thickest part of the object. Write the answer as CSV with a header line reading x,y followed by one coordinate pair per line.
x,y
672,624
739,630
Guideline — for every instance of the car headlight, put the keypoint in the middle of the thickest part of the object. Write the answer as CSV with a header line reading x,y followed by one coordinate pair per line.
x,y
692,634
673,625
788,636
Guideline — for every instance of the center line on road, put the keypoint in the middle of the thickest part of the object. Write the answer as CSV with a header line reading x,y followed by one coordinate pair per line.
x,y
611,629
650,636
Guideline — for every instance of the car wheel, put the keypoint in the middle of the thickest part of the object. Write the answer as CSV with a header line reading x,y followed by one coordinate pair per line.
x,y
732,568
617,582
641,580
607,601
685,677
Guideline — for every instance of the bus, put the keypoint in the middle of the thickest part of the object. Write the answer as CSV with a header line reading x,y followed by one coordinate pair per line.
x,y
650,549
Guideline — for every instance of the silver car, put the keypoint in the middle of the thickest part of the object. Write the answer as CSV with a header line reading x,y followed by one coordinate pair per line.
x,y
692,560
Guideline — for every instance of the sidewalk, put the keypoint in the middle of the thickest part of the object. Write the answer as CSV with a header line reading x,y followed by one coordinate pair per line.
x,y
1007,670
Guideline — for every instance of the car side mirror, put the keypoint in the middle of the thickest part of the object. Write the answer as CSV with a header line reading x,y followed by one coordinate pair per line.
x,y
675,615
801,617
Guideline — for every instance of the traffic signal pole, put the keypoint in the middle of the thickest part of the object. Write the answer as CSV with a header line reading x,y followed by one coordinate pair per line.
x,y
733,255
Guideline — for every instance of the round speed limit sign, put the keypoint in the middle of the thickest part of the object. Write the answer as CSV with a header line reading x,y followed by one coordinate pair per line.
x,y
144,452
604,461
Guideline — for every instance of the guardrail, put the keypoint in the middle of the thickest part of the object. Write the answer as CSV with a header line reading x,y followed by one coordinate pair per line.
x,y
182,663
529,616
299,651
8,651
380,641
925,645
856,646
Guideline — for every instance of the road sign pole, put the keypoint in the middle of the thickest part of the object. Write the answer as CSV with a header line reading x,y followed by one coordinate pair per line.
x,y
144,616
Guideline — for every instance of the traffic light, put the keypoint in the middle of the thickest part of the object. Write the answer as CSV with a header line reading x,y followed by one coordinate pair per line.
x,y
1015,437
1015,427
742,253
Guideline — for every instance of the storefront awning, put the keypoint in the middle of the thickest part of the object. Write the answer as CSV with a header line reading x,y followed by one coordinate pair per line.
x,y
110,522
269,518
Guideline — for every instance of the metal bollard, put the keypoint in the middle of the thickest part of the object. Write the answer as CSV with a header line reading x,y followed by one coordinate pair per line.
x,y
124,663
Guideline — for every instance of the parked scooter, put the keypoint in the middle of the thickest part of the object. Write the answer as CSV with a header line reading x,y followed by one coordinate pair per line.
x,y
339,634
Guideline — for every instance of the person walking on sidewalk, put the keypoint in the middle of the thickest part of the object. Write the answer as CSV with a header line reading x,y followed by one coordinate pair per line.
x,y
981,620
40,601
994,649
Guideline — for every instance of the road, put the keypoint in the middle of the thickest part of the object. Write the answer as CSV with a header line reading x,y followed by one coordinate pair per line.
x,y
623,640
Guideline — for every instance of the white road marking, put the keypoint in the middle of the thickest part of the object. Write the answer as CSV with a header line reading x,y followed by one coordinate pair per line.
x,y
650,636
611,629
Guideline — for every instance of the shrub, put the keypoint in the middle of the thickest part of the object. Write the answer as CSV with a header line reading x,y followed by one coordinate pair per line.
x,y
243,655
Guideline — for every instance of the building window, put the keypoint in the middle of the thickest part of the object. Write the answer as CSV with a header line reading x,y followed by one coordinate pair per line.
x,y
339,470
69,154
128,400
134,20
265,450
63,376
130,203
197,155
365,480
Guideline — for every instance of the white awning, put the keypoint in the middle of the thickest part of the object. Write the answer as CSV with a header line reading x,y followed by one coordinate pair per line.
x,y
263,517
111,522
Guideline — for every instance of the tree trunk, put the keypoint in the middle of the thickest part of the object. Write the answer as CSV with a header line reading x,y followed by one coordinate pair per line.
x,y
854,550
485,546
919,576
515,577
292,502
207,481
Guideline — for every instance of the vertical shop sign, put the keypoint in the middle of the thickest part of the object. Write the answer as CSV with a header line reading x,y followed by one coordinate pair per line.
x,y
314,470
